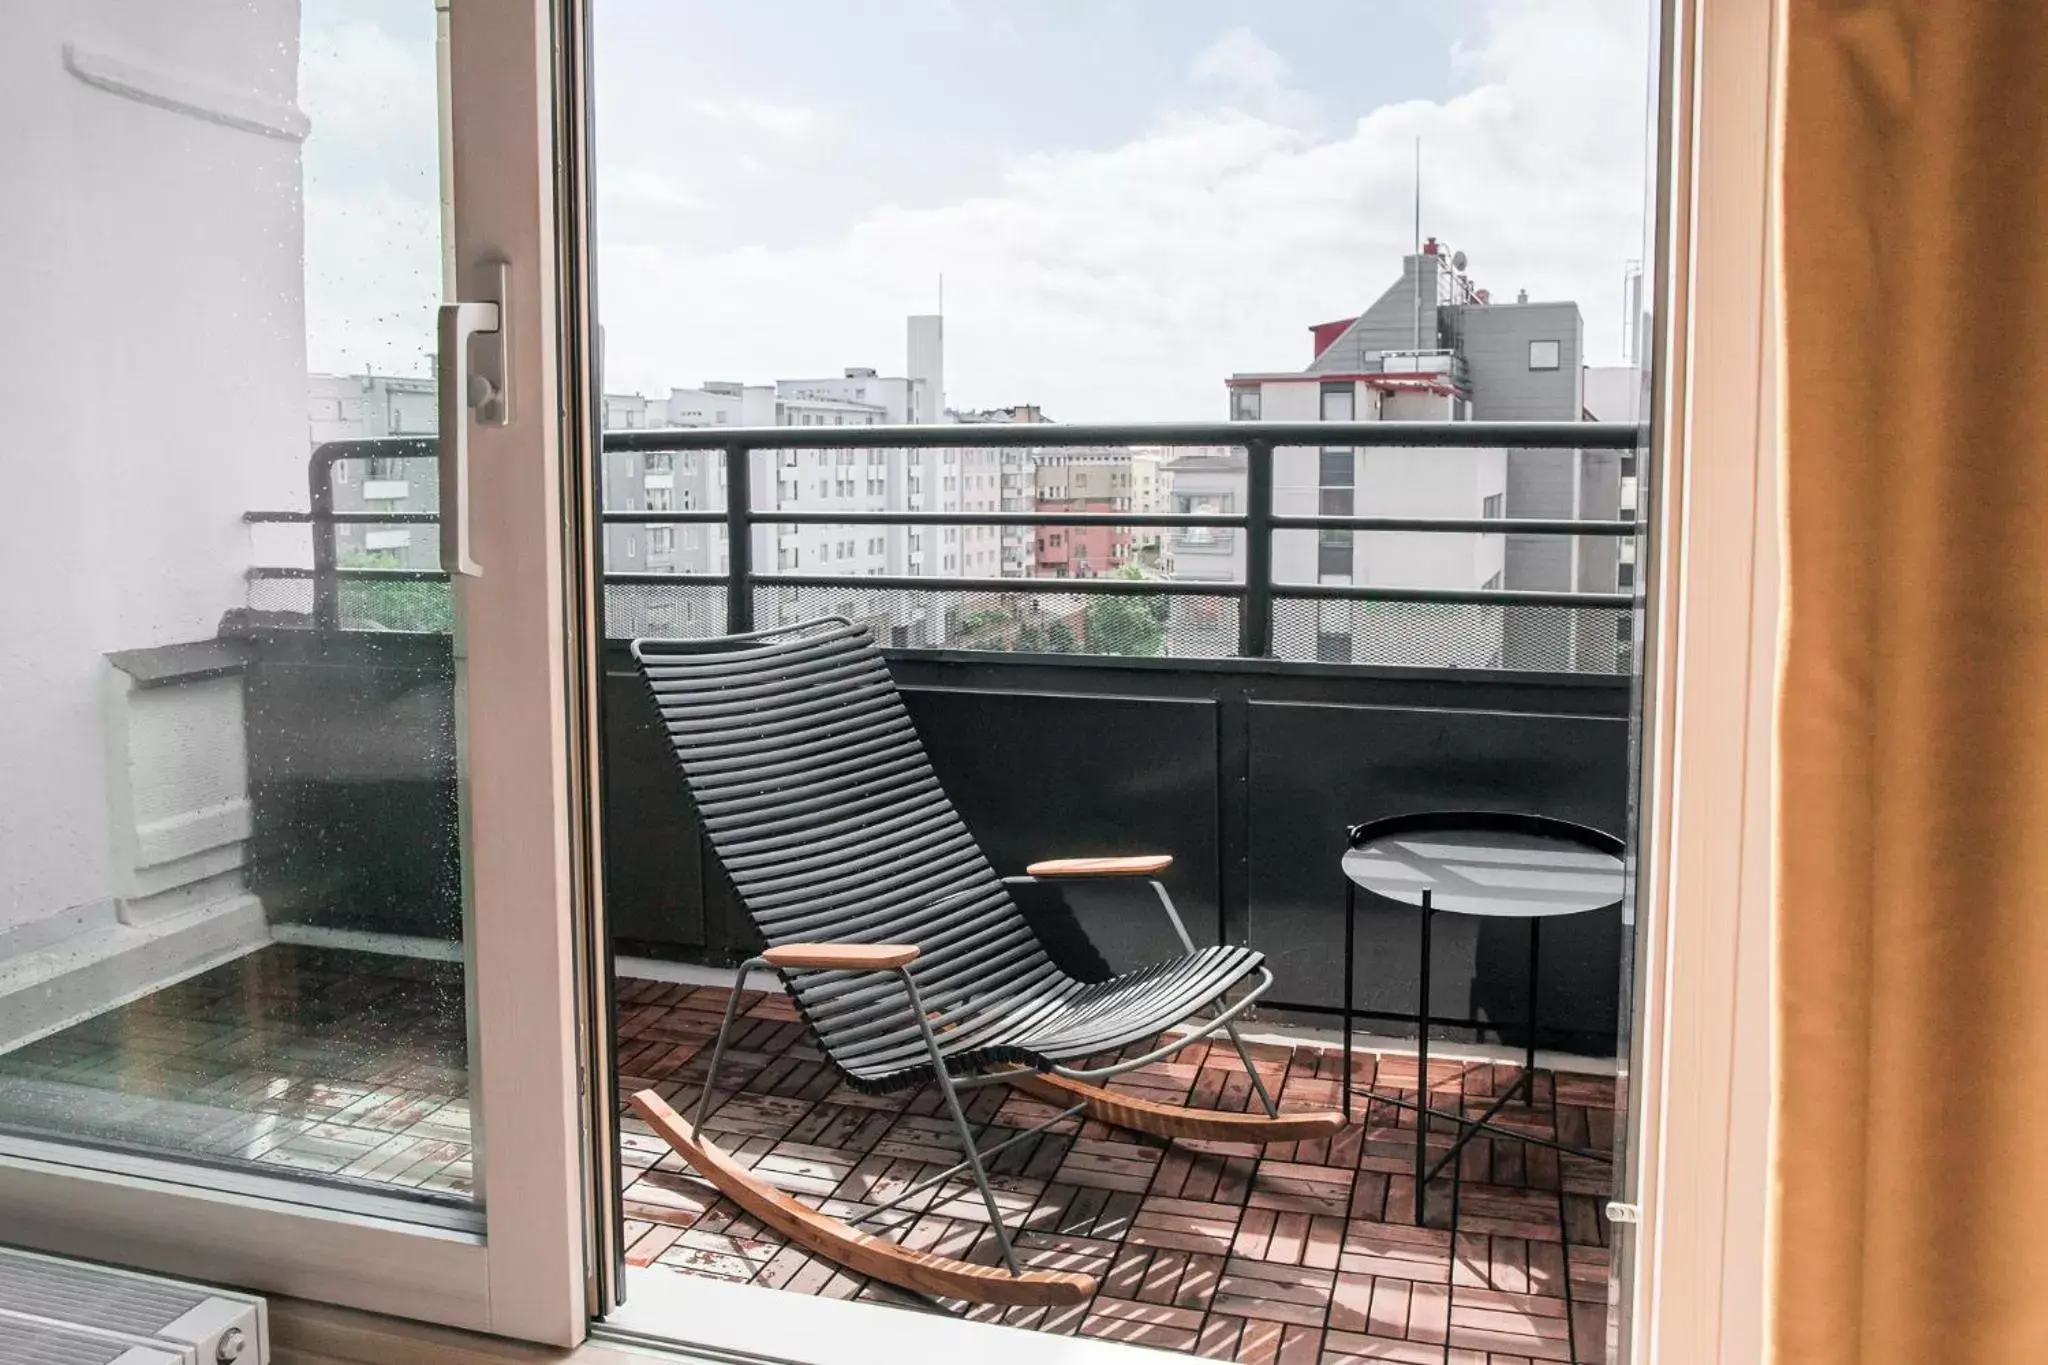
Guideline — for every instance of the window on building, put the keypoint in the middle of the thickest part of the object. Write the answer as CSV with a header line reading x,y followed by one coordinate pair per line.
x,y
661,500
1339,402
1624,576
1333,554
1494,507
1492,583
661,540
1544,355
1333,647
1244,405
786,458
661,462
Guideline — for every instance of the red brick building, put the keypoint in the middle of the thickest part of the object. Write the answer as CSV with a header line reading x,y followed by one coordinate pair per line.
x,y
1083,481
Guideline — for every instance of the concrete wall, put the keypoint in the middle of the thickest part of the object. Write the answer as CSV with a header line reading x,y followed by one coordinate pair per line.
x,y
1404,318
1495,341
153,257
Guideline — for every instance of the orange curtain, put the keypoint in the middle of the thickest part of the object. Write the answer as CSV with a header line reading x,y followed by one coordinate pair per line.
x,y
1910,1163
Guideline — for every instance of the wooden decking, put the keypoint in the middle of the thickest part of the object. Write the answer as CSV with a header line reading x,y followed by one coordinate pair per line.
x,y
1298,1252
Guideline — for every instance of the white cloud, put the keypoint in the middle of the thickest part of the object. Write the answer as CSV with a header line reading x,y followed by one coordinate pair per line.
x,y
1240,59
372,198
761,116
1126,283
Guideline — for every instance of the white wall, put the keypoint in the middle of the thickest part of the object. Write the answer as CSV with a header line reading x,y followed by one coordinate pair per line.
x,y
152,377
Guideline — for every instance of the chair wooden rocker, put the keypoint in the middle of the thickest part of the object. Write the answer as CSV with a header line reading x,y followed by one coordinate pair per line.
x,y
903,949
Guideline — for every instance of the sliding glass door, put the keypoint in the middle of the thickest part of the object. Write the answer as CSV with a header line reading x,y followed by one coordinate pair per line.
x,y
285,932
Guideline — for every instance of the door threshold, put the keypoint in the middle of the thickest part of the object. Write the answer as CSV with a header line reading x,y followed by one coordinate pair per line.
x,y
702,1318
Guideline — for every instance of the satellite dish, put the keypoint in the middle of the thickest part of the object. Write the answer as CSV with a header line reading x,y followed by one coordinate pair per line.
x,y
1457,260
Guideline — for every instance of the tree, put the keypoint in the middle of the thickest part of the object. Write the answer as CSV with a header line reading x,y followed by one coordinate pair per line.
x,y
424,606
1030,639
1119,624
1059,639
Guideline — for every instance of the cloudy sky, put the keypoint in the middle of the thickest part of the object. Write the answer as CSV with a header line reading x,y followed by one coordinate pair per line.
x,y
1127,199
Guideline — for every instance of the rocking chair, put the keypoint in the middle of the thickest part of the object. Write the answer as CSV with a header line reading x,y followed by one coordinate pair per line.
x,y
902,947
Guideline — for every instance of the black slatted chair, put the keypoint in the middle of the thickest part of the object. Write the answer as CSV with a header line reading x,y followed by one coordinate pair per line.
x,y
903,949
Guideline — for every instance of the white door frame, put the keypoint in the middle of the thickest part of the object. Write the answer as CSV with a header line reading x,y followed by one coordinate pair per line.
x,y
1700,1109
523,1274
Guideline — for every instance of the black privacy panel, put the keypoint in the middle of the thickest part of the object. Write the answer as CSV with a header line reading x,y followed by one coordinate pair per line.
x,y
1042,776
654,850
1316,768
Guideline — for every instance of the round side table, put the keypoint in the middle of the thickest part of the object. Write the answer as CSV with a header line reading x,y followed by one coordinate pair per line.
x,y
1493,864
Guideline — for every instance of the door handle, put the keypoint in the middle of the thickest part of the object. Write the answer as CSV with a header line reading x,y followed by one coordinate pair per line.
x,y
467,388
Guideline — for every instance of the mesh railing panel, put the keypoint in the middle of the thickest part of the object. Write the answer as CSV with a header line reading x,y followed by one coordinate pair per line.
x,y
1133,624
1451,635
426,608
666,611
1538,639
284,596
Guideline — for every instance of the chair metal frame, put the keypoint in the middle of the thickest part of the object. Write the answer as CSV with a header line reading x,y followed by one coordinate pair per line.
x,y
1204,1001
950,1085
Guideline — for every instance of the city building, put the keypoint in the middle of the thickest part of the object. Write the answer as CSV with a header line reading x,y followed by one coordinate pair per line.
x,y
1083,481
1434,348
1209,481
347,407
1016,487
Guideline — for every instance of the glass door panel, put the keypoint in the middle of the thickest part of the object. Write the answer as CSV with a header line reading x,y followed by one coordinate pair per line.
x,y
232,842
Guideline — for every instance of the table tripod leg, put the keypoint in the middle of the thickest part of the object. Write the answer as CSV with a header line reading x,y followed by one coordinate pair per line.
x,y
1350,914
1422,1067
1529,1052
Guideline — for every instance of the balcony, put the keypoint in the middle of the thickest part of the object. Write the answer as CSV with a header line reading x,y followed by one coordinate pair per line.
x,y
1190,716
1203,540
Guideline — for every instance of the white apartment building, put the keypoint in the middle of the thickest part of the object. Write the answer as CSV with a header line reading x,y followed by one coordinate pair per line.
x,y
347,407
1433,348
827,479
1016,474
1346,481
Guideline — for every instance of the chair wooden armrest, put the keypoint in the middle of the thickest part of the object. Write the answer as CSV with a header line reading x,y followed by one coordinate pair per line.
x,y
1137,865
842,957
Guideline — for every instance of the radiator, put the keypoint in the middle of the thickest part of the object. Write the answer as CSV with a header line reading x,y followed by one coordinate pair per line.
x,y
59,1312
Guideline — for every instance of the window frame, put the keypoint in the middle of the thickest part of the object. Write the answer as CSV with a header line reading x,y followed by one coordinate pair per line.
x,y
517,1268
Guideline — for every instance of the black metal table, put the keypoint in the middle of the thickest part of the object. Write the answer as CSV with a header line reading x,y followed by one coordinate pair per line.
x,y
1493,864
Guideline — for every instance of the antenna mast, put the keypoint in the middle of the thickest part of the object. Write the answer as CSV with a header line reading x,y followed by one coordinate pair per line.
x,y
1418,242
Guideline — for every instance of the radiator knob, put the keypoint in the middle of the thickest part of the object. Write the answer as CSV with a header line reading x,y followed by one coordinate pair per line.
x,y
231,1345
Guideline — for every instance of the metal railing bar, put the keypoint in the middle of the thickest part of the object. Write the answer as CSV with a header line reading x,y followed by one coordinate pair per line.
x,y
765,515
376,448
739,540
343,518
664,518
1069,436
1511,526
703,580
1481,597
919,583
949,583
1170,520
318,575
1255,618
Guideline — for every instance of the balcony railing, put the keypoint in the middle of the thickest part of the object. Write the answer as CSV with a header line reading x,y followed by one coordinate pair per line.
x,y
1271,618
